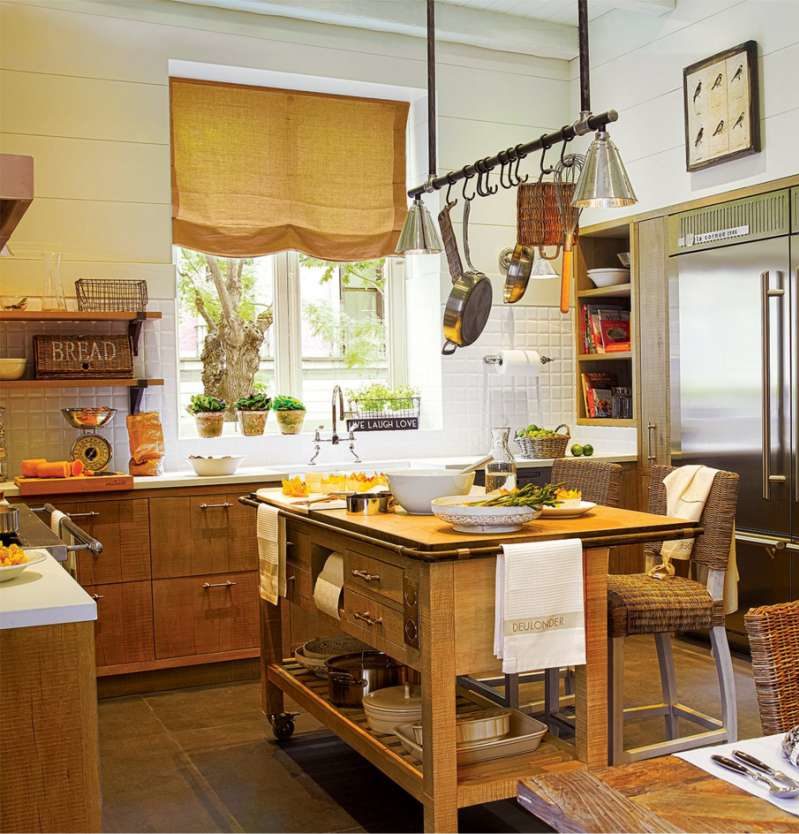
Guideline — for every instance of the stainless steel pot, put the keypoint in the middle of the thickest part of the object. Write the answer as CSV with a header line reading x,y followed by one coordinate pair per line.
x,y
469,303
9,521
351,676
370,503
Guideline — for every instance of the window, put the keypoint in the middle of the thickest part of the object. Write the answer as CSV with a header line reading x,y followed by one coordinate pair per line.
x,y
299,324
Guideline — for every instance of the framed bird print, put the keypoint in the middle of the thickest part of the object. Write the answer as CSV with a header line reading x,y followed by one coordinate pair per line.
x,y
722,113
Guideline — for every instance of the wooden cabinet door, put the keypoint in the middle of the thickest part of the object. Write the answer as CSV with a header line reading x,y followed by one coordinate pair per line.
x,y
204,614
200,535
653,268
123,528
124,627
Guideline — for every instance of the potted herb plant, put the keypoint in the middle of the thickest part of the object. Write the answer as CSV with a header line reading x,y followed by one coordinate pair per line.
x,y
209,414
252,412
290,413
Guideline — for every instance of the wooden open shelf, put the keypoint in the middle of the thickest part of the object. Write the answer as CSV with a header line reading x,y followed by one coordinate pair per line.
x,y
135,386
603,357
72,315
608,422
616,291
477,783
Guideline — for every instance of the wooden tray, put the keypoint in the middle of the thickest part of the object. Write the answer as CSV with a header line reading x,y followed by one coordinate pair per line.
x,y
110,482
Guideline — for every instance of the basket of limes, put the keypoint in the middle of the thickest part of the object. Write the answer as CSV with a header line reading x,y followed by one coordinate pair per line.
x,y
536,442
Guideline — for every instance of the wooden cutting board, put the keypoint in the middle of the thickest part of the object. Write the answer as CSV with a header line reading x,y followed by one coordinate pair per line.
x,y
109,482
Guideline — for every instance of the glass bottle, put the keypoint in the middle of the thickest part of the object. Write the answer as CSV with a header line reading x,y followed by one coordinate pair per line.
x,y
53,295
501,469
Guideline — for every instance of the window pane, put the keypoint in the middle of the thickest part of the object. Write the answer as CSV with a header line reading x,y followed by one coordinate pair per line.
x,y
343,330
209,361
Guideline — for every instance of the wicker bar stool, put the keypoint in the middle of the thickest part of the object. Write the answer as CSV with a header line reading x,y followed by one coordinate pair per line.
x,y
639,604
601,483
774,640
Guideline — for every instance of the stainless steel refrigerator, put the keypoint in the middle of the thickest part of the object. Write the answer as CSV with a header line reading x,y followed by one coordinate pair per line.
x,y
734,378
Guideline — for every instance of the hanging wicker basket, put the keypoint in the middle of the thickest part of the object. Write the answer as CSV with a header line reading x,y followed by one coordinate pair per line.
x,y
545,447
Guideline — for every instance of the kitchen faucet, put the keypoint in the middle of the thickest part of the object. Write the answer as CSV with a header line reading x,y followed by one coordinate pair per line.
x,y
334,439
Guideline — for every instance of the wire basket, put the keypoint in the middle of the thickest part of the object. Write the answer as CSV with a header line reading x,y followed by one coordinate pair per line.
x,y
545,447
111,295
372,409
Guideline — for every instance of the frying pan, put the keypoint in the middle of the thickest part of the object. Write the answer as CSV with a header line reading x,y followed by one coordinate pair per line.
x,y
469,302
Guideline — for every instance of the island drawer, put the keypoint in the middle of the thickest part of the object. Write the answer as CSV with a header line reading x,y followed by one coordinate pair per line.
x,y
373,577
377,624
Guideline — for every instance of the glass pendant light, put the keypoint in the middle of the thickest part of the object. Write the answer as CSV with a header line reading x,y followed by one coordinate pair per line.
x,y
419,235
604,182
542,268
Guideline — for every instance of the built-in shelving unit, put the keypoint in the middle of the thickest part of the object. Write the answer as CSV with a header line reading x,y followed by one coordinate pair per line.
x,y
598,248
134,320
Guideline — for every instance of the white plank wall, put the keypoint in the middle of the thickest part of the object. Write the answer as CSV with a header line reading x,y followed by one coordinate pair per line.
x,y
636,67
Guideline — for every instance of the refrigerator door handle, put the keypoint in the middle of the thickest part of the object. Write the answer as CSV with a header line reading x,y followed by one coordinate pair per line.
x,y
771,544
766,292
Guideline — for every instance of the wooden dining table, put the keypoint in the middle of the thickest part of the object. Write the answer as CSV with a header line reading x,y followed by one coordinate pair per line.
x,y
664,794
424,594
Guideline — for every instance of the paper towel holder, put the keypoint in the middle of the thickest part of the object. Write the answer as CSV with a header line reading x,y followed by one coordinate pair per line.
x,y
496,359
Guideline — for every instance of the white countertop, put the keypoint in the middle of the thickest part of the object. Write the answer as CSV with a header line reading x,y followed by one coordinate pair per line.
x,y
44,594
274,474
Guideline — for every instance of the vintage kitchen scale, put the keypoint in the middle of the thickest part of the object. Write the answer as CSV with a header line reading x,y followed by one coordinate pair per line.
x,y
91,449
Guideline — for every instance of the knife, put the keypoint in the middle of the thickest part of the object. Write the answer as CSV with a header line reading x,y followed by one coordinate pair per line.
x,y
749,759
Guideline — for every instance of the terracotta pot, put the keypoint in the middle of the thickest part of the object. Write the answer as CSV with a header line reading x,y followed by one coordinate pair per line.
x,y
290,422
210,423
252,423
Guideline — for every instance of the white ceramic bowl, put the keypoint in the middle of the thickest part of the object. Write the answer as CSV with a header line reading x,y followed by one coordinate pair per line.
x,y
222,465
414,489
13,571
12,368
609,277
465,518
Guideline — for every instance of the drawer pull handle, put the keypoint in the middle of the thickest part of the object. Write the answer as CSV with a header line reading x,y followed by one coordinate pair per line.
x,y
291,578
208,585
98,597
367,618
91,514
223,506
366,576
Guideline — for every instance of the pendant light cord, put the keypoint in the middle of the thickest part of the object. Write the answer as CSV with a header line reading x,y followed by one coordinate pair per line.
x,y
431,89
585,69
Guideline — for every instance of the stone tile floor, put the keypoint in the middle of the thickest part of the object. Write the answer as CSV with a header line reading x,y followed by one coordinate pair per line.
x,y
203,760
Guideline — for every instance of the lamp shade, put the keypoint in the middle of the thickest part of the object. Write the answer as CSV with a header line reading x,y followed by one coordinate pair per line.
x,y
542,268
419,235
603,182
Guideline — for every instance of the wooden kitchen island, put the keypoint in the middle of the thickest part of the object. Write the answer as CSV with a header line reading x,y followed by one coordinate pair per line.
x,y
424,594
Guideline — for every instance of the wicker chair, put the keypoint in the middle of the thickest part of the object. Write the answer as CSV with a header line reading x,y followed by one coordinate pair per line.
x,y
601,483
774,640
639,604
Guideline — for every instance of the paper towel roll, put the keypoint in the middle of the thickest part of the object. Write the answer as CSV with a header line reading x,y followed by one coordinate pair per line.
x,y
519,363
329,586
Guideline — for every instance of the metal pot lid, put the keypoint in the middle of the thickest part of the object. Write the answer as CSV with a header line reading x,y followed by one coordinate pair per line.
x,y
395,699
358,661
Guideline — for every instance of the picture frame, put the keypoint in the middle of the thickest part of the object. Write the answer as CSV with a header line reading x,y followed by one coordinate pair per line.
x,y
722,107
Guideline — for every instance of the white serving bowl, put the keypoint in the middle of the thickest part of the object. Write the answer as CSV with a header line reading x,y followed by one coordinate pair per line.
x,y
609,277
211,465
458,511
12,368
414,489
9,572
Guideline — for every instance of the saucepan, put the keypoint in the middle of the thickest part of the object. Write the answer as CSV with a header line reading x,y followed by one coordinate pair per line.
x,y
469,303
351,676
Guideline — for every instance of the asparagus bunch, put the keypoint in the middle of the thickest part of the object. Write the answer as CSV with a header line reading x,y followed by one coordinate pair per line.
x,y
529,495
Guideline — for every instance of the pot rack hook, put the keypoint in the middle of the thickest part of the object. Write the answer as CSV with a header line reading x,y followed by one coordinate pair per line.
x,y
466,178
450,182
505,172
488,189
563,149
545,169
519,157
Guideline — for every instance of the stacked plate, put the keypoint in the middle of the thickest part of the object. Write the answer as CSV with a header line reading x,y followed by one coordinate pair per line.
x,y
387,708
476,727
313,654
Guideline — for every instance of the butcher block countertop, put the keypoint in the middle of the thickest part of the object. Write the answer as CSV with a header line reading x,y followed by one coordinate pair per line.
x,y
427,537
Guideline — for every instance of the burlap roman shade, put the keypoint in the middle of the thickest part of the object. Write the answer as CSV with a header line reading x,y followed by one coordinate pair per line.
x,y
258,170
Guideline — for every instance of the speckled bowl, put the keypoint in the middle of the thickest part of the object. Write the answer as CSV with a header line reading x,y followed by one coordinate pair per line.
x,y
460,512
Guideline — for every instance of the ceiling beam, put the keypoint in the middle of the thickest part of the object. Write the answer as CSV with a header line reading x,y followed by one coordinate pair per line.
x,y
454,24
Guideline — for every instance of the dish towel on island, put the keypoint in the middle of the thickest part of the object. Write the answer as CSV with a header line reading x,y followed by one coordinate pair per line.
x,y
271,554
539,617
687,489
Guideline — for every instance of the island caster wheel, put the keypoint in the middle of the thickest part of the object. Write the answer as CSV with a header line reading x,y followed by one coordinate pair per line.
x,y
283,726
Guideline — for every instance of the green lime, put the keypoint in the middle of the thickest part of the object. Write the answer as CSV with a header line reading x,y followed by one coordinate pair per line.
x,y
588,450
578,450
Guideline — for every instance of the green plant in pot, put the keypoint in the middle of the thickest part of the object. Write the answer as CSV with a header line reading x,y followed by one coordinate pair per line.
x,y
290,413
209,414
252,412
